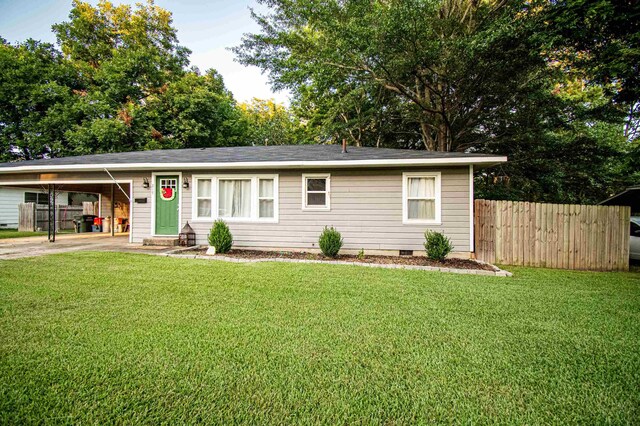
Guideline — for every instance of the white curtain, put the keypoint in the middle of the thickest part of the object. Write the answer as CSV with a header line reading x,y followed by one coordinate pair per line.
x,y
423,187
234,199
204,207
266,188
266,198
204,188
204,197
422,209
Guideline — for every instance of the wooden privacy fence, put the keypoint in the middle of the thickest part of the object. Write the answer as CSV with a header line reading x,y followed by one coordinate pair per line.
x,y
567,236
32,217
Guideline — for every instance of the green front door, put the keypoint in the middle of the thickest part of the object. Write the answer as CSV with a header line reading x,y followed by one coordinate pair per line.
x,y
167,205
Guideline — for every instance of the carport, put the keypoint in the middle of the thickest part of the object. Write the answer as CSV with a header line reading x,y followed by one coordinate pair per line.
x,y
114,200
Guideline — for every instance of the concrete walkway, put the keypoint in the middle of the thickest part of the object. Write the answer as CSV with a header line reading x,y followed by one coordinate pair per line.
x,y
16,248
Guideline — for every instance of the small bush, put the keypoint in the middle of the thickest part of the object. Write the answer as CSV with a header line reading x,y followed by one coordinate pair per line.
x,y
220,237
330,242
437,245
361,254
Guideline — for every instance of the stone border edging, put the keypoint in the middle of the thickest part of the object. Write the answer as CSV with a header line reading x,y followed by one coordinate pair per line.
x,y
497,272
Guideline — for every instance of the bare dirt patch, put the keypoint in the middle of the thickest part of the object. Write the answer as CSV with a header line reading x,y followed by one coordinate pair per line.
x,y
382,260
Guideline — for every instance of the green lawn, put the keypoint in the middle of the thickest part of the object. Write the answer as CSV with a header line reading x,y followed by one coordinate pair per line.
x,y
120,338
14,233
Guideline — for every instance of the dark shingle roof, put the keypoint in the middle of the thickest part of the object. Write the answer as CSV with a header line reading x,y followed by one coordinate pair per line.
x,y
241,154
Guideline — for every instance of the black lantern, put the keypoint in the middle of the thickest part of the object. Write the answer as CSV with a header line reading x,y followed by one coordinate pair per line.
x,y
187,237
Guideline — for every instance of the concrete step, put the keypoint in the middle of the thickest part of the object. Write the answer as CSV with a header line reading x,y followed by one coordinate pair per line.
x,y
160,241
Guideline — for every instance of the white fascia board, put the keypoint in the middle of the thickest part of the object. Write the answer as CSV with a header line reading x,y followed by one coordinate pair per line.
x,y
486,161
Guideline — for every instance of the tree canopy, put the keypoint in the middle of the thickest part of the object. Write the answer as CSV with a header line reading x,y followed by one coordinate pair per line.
x,y
119,82
551,84
499,76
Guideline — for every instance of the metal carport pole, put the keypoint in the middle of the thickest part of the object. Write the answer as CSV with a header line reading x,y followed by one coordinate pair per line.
x,y
51,231
113,211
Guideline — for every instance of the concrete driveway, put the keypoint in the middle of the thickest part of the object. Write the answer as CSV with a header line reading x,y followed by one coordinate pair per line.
x,y
16,248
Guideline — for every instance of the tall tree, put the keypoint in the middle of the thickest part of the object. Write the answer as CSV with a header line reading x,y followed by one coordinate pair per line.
x,y
121,83
453,63
36,99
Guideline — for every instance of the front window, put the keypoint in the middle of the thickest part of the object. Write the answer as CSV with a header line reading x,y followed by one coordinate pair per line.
x,y
266,199
421,198
316,192
235,198
204,200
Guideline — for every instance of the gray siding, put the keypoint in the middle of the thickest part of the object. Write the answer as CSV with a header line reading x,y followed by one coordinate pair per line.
x,y
366,207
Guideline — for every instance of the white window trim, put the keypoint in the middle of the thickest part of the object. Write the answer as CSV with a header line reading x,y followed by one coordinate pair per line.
x,y
405,200
255,196
195,198
326,207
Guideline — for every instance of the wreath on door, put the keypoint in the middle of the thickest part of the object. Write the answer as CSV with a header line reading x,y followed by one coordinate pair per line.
x,y
167,193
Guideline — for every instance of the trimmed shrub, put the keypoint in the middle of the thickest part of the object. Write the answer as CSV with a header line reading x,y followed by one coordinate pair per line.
x,y
220,237
330,242
437,245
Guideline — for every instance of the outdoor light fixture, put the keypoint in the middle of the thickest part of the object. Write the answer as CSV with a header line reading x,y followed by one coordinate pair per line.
x,y
185,183
145,183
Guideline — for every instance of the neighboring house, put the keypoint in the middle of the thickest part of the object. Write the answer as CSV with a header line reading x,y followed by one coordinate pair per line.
x,y
11,197
629,197
279,197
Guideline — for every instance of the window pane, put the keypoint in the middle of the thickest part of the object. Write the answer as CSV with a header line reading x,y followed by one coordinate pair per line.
x,y
422,187
422,209
266,188
43,198
266,208
30,197
204,208
234,198
316,199
204,187
316,184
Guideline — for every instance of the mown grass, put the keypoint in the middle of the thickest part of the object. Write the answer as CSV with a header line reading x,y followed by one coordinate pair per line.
x,y
120,338
14,233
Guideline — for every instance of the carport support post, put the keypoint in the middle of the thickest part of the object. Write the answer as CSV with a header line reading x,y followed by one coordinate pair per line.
x,y
49,213
113,211
52,214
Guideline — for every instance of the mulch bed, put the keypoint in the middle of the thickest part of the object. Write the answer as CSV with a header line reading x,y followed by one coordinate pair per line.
x,y
384,260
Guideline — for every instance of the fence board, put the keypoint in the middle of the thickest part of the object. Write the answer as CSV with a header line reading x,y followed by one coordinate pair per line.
x,y
36,216
26,216
564,236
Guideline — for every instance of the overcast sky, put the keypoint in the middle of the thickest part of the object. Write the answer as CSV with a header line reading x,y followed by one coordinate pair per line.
x,y
207,27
